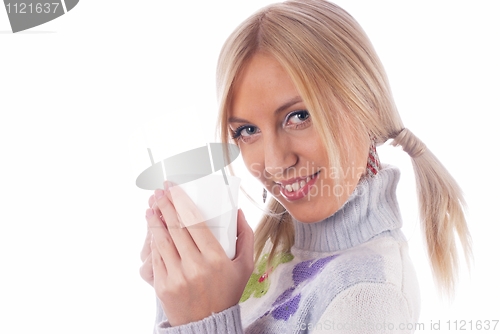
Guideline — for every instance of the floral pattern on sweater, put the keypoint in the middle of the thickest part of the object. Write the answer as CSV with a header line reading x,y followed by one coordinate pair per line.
x,y
287,303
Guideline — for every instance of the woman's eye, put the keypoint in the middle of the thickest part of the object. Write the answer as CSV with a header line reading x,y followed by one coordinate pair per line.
x,y
298,117
245,132
248,131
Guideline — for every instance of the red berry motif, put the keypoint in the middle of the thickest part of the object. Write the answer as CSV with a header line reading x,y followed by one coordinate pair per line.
x,y
259,282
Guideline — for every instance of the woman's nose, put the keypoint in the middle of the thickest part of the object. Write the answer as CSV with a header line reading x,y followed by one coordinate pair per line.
x,y
278,157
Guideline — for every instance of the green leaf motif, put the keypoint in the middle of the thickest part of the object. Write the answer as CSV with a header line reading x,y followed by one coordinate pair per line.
x,y
259,282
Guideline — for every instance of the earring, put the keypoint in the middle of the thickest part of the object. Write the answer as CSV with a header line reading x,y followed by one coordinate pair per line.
x,y
373,165
264,195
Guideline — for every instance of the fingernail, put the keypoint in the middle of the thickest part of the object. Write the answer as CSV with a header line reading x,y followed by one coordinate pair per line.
x,y
159,194
167,185
150,213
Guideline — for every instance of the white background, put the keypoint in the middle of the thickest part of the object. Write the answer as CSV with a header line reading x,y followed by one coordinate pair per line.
x,y
83,96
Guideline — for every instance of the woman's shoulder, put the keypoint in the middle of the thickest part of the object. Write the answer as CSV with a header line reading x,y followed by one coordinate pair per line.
x,y
377,274
383,259
375,283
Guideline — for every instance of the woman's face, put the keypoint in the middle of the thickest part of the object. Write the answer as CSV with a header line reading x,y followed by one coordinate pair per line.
x,y
280,145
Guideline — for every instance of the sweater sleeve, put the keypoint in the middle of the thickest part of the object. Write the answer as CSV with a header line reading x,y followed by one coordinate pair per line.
x,y
367,308
227,321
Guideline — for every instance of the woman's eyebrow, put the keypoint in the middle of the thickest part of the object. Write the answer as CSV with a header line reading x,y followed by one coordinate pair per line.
x,y
284,106
287,105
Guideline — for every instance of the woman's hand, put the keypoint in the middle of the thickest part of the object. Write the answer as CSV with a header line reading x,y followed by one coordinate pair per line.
x,y
193,277
146,269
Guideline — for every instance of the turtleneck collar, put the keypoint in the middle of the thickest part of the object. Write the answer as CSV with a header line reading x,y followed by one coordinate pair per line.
x,y
370,210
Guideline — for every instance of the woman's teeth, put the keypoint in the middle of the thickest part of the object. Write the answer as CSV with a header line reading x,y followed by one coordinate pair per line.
x,y
297,185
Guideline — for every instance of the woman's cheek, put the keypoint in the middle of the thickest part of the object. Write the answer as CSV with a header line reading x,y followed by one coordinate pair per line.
x,y
252,164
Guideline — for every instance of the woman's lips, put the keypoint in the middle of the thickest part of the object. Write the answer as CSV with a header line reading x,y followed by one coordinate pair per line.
x,y
298,189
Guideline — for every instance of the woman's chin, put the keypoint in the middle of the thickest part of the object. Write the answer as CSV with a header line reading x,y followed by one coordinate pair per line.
x,y
311,215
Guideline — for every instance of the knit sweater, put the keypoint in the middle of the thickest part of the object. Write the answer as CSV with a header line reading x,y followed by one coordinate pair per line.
x,y
350,273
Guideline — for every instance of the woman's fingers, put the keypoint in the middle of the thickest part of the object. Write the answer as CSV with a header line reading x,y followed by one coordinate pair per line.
x,y
159,268
244,244
146,270
162,240
187,210
193,220
182,241
146,248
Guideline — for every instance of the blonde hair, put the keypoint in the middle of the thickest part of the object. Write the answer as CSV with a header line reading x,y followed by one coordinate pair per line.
x,y
345,89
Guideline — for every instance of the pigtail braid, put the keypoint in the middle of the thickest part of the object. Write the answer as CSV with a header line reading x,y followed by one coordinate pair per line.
x,y
441,211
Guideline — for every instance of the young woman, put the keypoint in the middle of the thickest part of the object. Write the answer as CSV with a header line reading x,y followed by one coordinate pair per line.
x,y
306,99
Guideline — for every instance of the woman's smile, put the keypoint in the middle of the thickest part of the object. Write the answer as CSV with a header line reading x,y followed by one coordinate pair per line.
x,y
297,188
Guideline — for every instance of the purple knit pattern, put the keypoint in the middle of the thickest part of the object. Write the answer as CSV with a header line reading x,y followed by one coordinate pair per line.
x,y
287,303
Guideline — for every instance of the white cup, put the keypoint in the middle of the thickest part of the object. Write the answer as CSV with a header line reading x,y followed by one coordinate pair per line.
x,y
217,203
